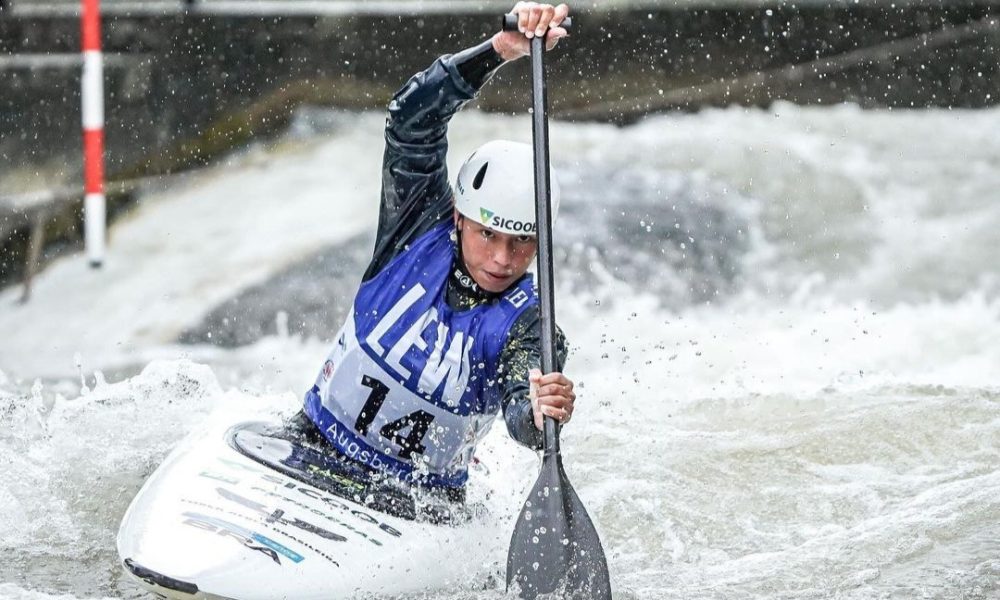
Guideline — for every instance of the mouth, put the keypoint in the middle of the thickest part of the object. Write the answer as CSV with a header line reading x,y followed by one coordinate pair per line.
x,y
496,277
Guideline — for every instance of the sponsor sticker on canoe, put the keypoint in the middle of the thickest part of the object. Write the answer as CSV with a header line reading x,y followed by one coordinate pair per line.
x,y
250,539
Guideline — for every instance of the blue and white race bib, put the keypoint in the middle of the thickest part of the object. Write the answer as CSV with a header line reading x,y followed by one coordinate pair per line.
x,y
410,386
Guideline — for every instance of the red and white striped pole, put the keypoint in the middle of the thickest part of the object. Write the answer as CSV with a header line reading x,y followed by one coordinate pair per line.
x,y
94,204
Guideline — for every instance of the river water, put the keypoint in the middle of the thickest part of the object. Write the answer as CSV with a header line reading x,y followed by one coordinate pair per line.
x,y
784,325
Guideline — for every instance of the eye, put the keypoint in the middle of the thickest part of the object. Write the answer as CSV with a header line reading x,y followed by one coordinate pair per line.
x,y
486,233
524,239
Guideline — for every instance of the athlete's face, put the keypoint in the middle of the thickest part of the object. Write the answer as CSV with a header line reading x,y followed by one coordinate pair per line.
x,y
494,259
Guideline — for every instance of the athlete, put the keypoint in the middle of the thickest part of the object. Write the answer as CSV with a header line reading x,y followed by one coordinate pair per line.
x,y
444,330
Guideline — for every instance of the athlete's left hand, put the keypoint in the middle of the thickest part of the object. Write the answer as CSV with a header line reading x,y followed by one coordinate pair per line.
x,y
551,395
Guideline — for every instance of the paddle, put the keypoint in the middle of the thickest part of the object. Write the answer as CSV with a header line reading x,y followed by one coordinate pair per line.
x,y
555,547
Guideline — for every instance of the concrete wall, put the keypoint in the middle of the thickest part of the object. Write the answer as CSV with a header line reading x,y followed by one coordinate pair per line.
x,y
170,78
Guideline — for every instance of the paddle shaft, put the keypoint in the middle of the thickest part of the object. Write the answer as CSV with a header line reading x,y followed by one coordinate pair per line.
x,y
554,545
543,216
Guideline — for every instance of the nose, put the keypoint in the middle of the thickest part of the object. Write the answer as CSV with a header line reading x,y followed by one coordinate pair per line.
x,y
503,253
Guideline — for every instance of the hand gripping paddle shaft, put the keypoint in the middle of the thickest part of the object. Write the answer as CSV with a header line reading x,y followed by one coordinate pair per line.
x,y
555,547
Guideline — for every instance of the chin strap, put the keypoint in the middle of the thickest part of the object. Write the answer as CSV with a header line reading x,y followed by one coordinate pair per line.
x,y
460,274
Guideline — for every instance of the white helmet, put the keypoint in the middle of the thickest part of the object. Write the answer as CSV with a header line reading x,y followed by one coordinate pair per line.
x,y
496,187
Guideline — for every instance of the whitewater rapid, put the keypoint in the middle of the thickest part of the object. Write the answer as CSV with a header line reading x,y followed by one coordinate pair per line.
x,y
783,325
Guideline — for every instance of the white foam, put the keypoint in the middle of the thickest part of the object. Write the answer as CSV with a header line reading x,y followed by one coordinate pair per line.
x,y
828,429
188,248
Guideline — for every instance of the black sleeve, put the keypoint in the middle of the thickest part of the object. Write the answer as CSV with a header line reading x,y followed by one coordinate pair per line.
x,y
521,354
416,195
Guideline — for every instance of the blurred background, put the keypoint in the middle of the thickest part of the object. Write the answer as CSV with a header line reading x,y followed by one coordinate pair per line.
x,y
188,81
776,265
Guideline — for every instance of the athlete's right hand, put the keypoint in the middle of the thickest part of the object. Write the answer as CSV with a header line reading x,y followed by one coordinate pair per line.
x,y
534,19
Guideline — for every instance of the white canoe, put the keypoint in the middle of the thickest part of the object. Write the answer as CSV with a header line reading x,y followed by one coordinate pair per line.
x,y
212,522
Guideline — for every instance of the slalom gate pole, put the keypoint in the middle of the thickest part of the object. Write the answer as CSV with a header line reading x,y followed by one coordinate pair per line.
x,y
92,97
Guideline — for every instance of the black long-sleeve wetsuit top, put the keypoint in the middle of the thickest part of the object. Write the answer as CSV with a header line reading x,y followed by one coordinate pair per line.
x,y
416,197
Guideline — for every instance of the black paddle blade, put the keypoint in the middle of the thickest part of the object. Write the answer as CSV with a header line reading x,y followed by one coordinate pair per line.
x,y
555,548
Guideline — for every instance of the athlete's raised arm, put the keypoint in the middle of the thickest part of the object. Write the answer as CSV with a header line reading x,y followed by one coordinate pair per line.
x,y
416,195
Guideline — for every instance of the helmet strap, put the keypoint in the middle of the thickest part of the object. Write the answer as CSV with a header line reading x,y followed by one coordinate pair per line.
x,y
461,272
456,234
